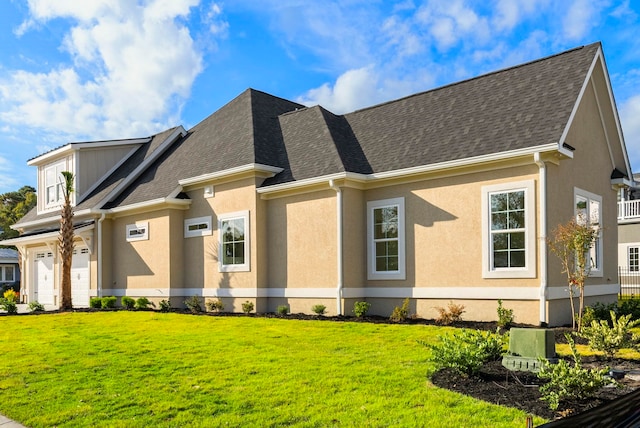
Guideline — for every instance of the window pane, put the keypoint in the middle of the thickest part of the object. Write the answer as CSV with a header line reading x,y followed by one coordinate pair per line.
x,y
381,264
594,208
238,253
517,259
392,263
516,241
500,259
8,273
381,249
499,202
516,200
499,221
392,248
227,254
500,241
516,220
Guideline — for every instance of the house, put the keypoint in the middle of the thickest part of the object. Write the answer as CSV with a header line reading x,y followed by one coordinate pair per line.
x,y
9,269
446,195
629,238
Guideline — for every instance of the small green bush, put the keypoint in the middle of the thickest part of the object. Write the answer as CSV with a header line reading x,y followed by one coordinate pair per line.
x,y
215,305
452,313
36,307
247,307
629,307
143,303
127,302
400,313
467,350
8,305
193,304
109,302
360,309
282,310
318,309
165,305
610,337
95,302
505,316
566,381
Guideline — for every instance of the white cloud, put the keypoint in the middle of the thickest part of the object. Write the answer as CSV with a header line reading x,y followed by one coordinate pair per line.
x,y
7,175
133,63
630,120
580,18
510,13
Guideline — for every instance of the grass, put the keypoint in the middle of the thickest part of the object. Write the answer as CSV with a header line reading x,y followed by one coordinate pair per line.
x,y
130,369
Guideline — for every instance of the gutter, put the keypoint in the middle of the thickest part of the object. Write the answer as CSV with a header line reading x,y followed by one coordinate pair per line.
x,y
542,248
340,245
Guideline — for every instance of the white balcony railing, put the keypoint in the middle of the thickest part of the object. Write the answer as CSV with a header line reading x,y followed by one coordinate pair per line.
x,y
628,210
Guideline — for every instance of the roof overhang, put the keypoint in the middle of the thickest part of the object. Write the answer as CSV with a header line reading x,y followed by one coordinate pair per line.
x,y
72,147
252,169
46,236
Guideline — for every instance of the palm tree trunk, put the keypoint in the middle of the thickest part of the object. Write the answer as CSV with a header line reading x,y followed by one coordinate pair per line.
x,y
65,242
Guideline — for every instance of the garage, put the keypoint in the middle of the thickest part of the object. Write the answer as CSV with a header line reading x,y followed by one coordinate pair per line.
x,y
80,278
43,274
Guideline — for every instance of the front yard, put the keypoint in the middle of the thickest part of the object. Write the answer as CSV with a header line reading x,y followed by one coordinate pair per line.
x,y
153,369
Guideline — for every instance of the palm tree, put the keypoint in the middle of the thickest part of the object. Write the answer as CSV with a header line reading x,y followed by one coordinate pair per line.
x,y
65,241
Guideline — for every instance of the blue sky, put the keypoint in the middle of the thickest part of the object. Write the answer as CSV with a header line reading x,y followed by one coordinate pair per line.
x,y
108,69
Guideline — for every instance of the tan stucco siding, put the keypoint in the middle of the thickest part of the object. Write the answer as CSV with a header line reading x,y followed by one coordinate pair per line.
x,y
302,241
355,237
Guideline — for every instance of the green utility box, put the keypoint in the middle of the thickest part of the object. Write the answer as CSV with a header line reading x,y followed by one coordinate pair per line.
x,y
527,346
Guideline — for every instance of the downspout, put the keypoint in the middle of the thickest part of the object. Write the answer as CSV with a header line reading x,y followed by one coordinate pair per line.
x,y
542,247
99,253
340,249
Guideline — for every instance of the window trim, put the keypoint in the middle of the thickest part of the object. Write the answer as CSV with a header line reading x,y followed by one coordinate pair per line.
x,y
372,273
207,230
598,271
246,266
136,227
62,165
530,269
636,268
3,270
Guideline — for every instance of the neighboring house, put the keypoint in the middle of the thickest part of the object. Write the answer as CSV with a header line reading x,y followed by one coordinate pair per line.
x,y
446,195
9,269
629,237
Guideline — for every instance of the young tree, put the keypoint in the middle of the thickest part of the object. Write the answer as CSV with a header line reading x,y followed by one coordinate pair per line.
x,y
571,243
65,241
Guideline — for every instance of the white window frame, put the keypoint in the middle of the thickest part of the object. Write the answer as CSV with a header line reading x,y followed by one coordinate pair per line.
x,y
57,186
372,272
140,231
636,249
529,270
204,228
243,267
3,273
596,252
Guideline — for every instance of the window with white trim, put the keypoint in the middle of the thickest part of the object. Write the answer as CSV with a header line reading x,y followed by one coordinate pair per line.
x,y
508,230
233,229
588,208
7,273
386,239
198,226
54,184
633,259
138,231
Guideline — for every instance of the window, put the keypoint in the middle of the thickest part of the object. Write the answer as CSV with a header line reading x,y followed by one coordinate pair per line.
x,y
138,231
200,226
588,208
633,258
7,273
385,235
508,223
53,184
234,242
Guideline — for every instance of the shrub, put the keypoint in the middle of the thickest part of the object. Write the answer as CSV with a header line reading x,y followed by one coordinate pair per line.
x,y
143,303
247,307
109,302
215,305
360,309
318,309
453,313
36,307
283,310
10,295
565,381
467,350
165,305
127,302
8,305
193,304
505,316
630,307
598,312
95,302
400,313
607,337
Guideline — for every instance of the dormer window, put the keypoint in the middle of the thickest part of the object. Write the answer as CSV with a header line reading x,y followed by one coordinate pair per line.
x,y
53,184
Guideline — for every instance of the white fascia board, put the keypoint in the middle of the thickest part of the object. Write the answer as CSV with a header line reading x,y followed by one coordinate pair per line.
x,y
178,132
257,167
44,237
90,144
52,219
149,204
314,181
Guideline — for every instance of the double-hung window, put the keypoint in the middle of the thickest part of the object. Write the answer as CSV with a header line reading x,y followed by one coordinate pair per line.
x,y
633,259
386,239
508,218
234,242
7,273
588,210
54,184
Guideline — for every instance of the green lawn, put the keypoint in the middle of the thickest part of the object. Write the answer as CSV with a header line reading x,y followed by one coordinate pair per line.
x,y
128,369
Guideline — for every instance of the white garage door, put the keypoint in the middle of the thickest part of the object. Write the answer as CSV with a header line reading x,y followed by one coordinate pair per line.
x,y
80,278
43,275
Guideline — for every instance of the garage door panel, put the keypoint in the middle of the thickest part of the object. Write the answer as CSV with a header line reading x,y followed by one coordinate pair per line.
x,y
80,278
43,275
